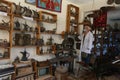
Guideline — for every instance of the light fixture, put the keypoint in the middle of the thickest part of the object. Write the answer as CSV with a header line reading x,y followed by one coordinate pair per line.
x,y
87,21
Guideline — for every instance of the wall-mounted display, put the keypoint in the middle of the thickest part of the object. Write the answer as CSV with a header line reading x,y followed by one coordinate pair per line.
x,y
72,19
53,5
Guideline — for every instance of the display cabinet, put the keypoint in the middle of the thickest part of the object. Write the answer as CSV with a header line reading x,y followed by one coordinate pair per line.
x,y
106,35
101,42
72,18
6,71
44,68
23,70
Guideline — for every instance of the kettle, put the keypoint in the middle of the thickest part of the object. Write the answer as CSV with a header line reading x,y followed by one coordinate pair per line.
x,y
25,55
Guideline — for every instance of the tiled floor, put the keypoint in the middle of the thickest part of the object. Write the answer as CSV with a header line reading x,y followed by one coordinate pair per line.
x,y
113,77
86,77
46,77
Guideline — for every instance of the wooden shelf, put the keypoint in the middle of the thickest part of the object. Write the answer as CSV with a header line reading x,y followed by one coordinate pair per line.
x,y
116,32
74,15
45,45
5,28
24,75
15,15
4,58
25,17
23,46
23,31
51,18
6,2
72,11
8,14
52,22
50,33
4,47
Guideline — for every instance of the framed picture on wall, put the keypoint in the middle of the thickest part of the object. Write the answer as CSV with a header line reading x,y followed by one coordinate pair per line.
x,y
33,2
53,5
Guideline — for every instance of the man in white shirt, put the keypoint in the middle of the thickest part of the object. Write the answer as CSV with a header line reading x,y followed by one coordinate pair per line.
x,y
86,43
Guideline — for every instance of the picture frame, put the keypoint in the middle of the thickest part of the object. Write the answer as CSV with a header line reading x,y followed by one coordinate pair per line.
x,y
33,2
52,5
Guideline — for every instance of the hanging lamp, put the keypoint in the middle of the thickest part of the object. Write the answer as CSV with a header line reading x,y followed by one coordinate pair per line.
x,y
86,21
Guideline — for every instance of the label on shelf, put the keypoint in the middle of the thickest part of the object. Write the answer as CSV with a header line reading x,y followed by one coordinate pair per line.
x,y
3,13
28,18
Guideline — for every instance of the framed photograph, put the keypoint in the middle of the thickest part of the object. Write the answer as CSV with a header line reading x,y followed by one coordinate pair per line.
x,y
53,5
33,2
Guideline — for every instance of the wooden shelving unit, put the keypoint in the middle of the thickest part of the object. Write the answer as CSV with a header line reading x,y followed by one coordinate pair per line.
x,y
44,17
50,18
23,71
72,18
44,64
8,29
47,17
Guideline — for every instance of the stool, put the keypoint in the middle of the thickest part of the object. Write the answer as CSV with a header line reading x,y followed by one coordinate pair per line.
x,y
61,73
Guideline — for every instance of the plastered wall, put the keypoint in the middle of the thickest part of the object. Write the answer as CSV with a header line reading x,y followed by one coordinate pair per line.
x,y
61,26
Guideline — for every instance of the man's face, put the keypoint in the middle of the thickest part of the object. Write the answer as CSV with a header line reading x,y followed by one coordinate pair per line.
x,y
86,28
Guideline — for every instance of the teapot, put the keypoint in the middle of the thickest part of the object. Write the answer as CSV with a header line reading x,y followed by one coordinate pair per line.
x,y
28,12
25,55
4,24
4,8
35,14
18,9
17,25
26,27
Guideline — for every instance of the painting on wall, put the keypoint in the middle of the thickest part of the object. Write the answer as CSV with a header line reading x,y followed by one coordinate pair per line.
x,y
53,5
33,2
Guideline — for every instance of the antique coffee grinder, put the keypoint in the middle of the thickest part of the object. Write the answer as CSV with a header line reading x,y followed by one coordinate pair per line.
x,y
25,55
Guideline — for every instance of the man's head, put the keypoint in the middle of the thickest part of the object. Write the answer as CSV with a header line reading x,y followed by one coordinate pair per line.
x,y
87,27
